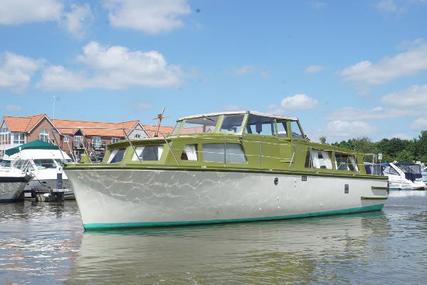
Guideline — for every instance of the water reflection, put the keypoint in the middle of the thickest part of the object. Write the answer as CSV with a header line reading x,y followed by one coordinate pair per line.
x,y
253,253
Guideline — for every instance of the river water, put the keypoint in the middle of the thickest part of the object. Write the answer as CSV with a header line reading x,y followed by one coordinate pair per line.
x,y
43,243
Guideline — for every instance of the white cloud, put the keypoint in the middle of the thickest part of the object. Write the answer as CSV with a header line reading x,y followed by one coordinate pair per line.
x,y
114,67
313,69
420,124
13,108
298,102
340,129
16,70
413,97
15,12
375,113
409,62
387,6
248,69
149,16
77,19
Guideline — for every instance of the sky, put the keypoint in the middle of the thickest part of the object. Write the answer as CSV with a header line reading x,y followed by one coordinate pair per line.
x,y
346,69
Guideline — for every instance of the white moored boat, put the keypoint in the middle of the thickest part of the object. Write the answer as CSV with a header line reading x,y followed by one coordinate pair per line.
x,y
12,182
223,167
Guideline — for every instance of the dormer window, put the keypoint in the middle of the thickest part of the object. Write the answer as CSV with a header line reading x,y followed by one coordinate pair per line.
x,y
44,135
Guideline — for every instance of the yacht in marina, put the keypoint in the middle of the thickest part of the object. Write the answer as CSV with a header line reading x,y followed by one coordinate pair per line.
x,y
12,182
45,162
223,167
401,176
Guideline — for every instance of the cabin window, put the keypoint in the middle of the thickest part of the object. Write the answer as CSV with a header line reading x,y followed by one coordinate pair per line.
x,y
260,125
116,155
223,153
45,163
344,161
296,130
196,126
390,171
189,152
232,124
148,153
281,129
318,159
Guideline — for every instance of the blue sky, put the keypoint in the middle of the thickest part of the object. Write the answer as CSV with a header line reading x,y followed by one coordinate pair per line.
x,y
345,68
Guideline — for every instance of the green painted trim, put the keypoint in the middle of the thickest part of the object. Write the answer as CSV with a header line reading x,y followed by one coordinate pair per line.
x,y
104,226
374,197
94,167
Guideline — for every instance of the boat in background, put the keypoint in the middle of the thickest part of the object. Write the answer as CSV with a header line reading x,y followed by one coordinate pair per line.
x,y
223,167
401,176
12,182
45,162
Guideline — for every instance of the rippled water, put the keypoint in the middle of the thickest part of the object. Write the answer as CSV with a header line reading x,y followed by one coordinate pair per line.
x,y
44,244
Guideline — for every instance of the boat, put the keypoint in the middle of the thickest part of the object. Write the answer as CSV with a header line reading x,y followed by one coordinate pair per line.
x,y
45,162
219,168
424,174
401,176
12,182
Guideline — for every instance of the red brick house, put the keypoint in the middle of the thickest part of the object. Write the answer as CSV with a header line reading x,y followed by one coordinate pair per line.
x,y
74,137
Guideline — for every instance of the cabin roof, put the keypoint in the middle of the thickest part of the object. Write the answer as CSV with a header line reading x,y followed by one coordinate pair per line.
x,y
239,112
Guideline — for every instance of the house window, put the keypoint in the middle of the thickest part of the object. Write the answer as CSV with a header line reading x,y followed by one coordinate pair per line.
x,y
137,136
4,136
96,142
114,140
66,139
18,138
44,135
78,140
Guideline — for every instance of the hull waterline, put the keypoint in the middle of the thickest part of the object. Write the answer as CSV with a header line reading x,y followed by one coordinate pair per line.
x,y
126,198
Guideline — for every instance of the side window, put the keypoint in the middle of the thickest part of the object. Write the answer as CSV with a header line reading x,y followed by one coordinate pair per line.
x,y
296,131
213,152
189,152
232,124
148,153
223,153
281,129
116,155
260,125
318,159
390,170
344,161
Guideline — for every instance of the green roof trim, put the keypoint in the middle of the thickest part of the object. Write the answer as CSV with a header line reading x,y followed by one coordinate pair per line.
x,y
37,144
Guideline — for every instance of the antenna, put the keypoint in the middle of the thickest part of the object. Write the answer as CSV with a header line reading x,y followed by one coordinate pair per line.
x,y
53,107
159,119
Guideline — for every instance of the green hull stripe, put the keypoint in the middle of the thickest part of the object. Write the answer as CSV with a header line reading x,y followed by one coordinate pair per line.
x,y
376,207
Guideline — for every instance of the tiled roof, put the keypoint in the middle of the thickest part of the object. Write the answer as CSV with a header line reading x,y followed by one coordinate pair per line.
x,y
163,131
23,124
88,128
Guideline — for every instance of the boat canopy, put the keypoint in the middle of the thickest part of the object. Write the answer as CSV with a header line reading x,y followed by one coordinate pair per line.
x,y
238,123
37,144
412,171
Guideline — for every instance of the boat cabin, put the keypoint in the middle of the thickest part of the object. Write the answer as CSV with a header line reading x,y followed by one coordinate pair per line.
x,y
239,140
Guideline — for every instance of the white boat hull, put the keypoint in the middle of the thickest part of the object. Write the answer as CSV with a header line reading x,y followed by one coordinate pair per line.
x,y
127,198
11,191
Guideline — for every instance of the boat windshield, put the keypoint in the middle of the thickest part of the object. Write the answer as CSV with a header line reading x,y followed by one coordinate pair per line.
x,y
44,163
5,163
205,124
